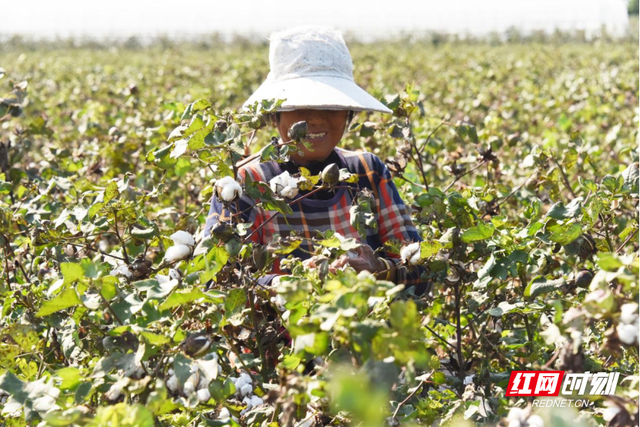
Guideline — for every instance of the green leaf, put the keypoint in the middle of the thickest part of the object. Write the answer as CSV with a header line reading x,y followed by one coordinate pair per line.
x,y
439,378
235,300
291,362
108,287
480,232
71,272
111,192
199,105
94,209
429,248
182,368
631,178
155,339
68,298
541,285
82,392
613,184
123,415
503,308
182,297
70,378
14,386
566,233
314,343
609,261
154,289
221,390
560,212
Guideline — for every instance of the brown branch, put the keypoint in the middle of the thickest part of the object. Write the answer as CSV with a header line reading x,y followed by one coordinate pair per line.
x,y
627,240
464,174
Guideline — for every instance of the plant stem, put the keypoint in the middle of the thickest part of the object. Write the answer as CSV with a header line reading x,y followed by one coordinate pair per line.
x,y
439,337
413,393
564,178
515,190
402,177
430,135
627,240
461,362
96,250
606,232
466,173
115,316
124,248
418,159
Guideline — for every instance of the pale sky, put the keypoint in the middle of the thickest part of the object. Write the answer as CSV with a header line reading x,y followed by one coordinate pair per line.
x,y
366,18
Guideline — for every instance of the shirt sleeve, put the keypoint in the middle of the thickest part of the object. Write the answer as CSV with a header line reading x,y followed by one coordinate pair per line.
x,y
394,223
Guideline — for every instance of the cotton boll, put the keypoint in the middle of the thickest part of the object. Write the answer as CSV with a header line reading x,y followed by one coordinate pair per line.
x,y
203,395
177,253
517,417
610,413
309,421
228,189
246,378
104,245
535,421
182,238
46,403
279,302
174,274
629,313
284,185
54,392
191,383
239,384
246,390
289,192
411,253
224,414
627,333
121,270
172,383
468,379
209,368
228,193
114,392
189,389
256,401
247,401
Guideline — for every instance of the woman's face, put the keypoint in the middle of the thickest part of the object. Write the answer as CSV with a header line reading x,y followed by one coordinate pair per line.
x,y
324,131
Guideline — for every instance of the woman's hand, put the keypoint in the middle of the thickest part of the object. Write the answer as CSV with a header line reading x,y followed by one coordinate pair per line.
x,y
366,259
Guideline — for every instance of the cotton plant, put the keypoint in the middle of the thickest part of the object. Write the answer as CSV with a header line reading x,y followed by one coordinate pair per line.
x,y
173,274
519,417
285,185
203,371
410,254
183,245
227,189
244,390
628,327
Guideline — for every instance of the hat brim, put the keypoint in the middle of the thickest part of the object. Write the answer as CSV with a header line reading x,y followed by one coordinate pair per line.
x,y
318,92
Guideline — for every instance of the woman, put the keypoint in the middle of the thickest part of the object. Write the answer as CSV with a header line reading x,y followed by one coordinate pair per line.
x,y
311,69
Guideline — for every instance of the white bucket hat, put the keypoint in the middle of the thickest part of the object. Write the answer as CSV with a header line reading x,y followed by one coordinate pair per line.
x,y
311,68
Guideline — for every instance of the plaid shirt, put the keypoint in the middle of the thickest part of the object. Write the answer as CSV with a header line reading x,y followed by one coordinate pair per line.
x,y
312,215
